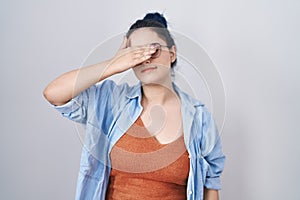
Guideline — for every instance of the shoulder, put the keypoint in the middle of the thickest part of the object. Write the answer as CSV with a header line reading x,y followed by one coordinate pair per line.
x,y
193,105
186,98
118,90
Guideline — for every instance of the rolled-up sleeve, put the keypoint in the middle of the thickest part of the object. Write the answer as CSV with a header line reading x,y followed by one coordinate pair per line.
x,y
76,108
212,152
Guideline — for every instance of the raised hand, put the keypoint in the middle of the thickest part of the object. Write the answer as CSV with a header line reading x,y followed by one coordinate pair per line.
x,y
128,57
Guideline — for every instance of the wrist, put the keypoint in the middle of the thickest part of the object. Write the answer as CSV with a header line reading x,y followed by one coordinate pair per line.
x,y
107,69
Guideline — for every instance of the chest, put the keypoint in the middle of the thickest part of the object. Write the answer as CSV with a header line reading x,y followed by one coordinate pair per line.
x,y
163,122
137,154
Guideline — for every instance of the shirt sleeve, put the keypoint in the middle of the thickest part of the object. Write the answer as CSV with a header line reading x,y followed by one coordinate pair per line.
x,y
212,152
78,108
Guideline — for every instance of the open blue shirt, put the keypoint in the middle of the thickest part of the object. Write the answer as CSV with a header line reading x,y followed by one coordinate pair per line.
x,y
107,110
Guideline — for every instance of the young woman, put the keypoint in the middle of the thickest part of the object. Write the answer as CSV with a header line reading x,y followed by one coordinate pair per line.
x,y
148,141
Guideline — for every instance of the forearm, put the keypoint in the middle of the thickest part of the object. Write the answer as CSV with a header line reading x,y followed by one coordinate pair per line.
x,y
68,85
210,194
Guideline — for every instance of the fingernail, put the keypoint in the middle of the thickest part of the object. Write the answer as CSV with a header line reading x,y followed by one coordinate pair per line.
x,y
153,46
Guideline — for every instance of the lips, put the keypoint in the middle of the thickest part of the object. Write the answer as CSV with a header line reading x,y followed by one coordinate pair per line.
x,y
148,69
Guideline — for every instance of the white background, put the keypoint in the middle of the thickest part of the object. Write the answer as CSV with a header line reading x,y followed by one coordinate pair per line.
x,y
254,44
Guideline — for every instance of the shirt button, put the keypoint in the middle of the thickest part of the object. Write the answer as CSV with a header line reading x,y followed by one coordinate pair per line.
x,y
190,192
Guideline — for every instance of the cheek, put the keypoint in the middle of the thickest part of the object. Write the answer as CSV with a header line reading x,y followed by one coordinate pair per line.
x,y
163,59
135,71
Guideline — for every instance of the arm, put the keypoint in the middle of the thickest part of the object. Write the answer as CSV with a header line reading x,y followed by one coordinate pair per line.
x,y
210,194
68,85
213,158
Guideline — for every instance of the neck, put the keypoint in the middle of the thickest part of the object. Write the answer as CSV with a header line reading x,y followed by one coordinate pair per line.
x,y
158,93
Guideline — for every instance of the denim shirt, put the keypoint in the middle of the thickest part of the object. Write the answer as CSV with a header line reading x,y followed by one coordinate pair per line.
x,y
107,110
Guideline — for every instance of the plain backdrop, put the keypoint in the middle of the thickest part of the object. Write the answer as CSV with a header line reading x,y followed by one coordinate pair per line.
x,y
254,44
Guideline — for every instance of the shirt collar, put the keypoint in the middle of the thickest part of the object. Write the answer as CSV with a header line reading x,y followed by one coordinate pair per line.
x,y
135,92
185,97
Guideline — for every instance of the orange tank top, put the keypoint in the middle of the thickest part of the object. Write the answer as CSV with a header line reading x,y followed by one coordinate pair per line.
x,y
143,168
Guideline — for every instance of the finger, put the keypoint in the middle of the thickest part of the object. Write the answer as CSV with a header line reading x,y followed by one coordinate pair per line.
x,y
143,54
143,47
138,52
144,51
141,58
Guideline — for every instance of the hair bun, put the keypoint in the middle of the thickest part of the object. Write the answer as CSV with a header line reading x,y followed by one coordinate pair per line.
x,y
156,17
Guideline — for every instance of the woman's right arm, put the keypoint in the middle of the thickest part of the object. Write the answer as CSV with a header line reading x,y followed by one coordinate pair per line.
x,y
70,84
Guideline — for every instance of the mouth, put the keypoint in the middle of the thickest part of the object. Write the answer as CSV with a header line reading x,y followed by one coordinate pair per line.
x,y
148,69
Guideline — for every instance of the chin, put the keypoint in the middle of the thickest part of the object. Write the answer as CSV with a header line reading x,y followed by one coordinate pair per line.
x,y
157,76
150,80
155,79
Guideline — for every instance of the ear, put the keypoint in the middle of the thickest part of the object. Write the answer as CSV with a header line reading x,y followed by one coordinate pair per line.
x,y
173,54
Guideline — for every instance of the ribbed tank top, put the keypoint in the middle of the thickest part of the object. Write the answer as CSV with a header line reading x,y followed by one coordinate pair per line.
x,y
143,168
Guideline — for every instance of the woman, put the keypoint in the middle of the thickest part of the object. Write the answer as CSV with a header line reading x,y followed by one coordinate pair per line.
x,y
126,124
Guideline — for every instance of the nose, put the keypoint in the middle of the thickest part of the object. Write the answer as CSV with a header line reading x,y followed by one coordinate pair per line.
x,y
147,61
